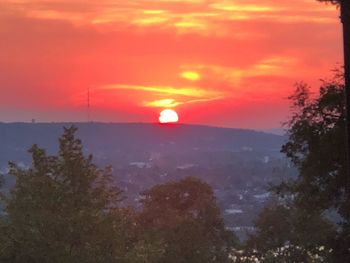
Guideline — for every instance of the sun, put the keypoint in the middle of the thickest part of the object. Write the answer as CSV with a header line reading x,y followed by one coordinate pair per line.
x,y
168,116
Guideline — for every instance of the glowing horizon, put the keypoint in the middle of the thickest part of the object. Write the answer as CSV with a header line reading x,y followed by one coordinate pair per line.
x,y
225,63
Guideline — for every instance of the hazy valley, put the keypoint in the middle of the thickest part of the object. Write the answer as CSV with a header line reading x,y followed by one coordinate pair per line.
x,y
238,164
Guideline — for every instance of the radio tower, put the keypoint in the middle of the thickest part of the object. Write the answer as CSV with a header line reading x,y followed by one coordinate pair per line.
x,y
88,104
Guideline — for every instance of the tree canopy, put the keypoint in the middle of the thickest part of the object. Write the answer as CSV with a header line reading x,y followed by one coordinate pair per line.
x,y
309,219
296,235
62,209
316,146
185,216
316,142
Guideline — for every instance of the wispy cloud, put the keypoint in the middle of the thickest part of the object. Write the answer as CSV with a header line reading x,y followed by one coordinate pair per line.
x,y
172,103
178,96
204,17
163,103
192,92
269,66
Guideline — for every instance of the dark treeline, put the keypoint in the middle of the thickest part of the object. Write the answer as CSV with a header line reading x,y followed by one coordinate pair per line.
x,y
66,209
309,219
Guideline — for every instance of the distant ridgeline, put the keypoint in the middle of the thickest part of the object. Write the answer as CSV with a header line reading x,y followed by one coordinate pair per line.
x,y
16,138
237,163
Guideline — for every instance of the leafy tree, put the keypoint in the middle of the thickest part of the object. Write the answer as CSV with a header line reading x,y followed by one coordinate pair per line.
x,y
316,147
294,233
63,209
316,138
184,216
345,19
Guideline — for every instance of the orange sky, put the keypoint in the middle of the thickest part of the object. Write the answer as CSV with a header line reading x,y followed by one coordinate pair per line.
x,y
218,62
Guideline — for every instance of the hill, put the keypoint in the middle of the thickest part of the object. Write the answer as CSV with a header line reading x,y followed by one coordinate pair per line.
x,y
239,164
15,138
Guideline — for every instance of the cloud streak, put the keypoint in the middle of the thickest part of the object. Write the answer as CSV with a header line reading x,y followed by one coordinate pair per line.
x,y
203,17
191,92
178,95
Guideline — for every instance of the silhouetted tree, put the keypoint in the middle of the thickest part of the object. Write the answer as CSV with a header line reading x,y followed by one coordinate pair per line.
x,y
295,233
345,19
63,209
184,216
316,147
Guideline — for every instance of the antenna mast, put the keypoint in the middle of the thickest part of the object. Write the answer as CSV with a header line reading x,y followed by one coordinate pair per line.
x,y
88,104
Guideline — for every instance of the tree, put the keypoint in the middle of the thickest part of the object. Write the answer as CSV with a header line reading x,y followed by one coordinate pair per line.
x,y
345,19
63,209
316,142
295,235
185,217
316,138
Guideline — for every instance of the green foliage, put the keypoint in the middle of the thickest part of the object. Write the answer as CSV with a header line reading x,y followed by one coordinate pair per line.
x,y
65,209
294,228
286,226
184,216
62,209
316,146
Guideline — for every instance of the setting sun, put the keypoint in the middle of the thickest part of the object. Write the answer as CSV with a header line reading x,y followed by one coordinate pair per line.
x,y
168,116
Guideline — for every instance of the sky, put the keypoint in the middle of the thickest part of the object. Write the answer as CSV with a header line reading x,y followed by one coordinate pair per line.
x,y
230,63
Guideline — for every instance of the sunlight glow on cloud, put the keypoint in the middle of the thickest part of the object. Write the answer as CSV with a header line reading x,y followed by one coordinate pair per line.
x,y
181,95
191,75
270,66
194,92
164,103
231,6
172,103
203,17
